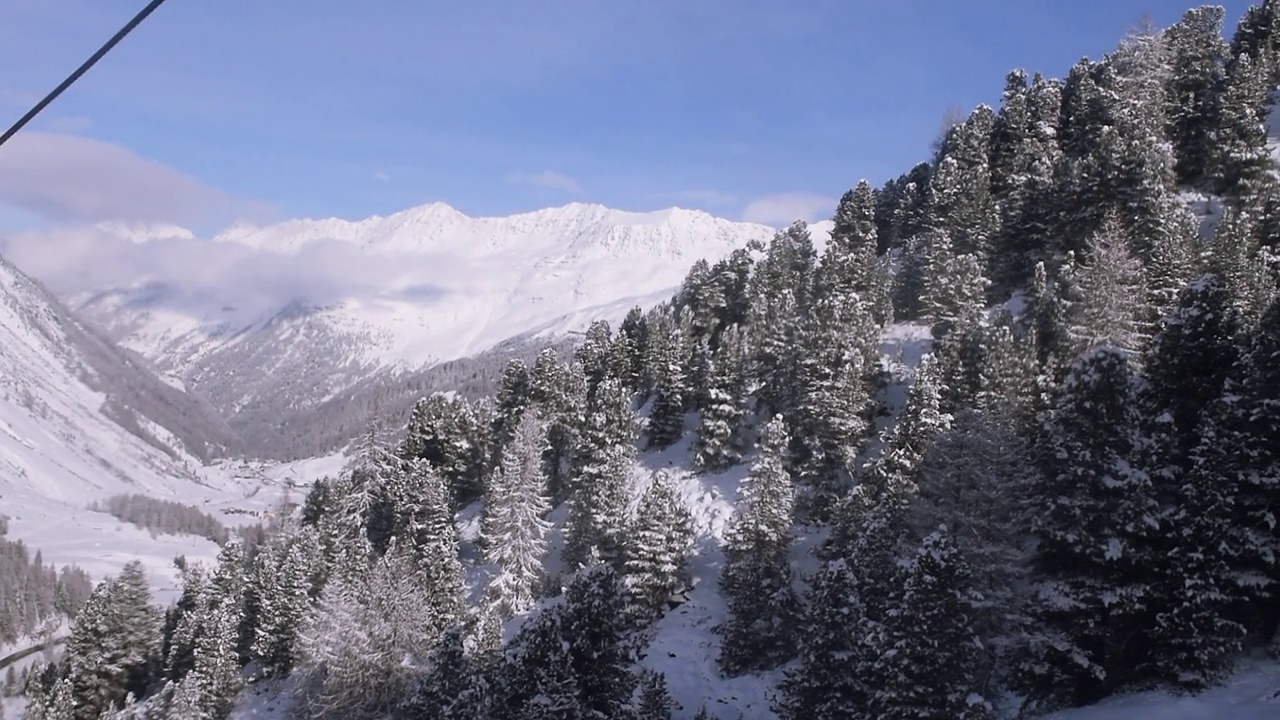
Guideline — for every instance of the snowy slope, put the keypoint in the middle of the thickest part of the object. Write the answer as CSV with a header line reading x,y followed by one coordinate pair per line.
x,y
447,286
79,420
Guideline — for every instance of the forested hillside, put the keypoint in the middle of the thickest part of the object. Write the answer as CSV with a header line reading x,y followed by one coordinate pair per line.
x,y
1073,494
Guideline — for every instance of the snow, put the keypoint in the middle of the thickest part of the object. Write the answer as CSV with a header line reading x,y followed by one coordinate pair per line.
x,y
463,285
1252,693
59,452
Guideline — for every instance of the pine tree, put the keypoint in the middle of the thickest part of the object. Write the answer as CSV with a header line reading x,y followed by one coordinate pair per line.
x,y
282,583
959,200
600,651
602,463
337,671
1190,358
514,396
536,680
1197,49
661,540
1009,376
975,478
655,702
515,525
449,434
955,304
1094,533
428,540
593,355
666,421
830,680
909,282
928,646
829,421
756,579
849,261
114,646
1234,474
1109,307
1236,260
635,331
719,443
1240,159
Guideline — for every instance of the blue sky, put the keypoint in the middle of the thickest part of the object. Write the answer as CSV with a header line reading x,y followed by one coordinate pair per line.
x,y
217,109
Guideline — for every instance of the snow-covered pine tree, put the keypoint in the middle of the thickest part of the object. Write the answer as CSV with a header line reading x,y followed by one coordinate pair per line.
x,y
448,433
719,443
830,420
655,701
1236,468
1190,359
909,281
1240,159
337,668
635,331
513,397
597,636
666,420
1009,377
182,624
1094,526
515,525
1109,307
1236,260
282,582
114,646
975,478
426,534
601,471
959,202
927,644
849,262
1198,51
660,541
757,577
1257,36
593,354
536,679
835,655
955,301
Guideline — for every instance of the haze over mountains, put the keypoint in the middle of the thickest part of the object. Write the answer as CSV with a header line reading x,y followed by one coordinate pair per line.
x,y
293,314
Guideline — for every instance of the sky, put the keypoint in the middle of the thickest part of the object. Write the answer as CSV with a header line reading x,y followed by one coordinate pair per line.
x,y
221,111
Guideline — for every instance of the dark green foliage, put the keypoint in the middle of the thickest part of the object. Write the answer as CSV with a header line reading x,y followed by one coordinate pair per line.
x,y
927,646
451,435
32,593
757,578
164,517
1196,66
1095,528
835,651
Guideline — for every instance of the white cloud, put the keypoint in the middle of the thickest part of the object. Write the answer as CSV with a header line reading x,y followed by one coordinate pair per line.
x,y
73,178
785,208
382,176
546,179
72,260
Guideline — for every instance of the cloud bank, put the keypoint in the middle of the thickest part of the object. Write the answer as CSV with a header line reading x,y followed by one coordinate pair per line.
x,y
197,274
68,178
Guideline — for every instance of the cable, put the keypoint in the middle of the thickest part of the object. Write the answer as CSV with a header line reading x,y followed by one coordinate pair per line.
x,y
137,19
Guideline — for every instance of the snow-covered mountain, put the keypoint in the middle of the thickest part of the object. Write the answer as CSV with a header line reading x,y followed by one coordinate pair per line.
x,y
400,292
81,420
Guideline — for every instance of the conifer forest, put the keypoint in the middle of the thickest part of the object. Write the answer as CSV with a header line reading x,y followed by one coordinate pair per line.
x,y
1072,493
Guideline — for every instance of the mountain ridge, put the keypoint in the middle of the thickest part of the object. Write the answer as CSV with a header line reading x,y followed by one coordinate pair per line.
x,y
428,284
